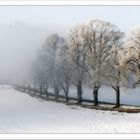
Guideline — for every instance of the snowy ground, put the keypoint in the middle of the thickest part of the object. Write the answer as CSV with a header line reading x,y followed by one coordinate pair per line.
x,y
20,113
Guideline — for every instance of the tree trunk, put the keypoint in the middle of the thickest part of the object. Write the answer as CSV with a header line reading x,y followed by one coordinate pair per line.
x,y
95,94
34,89
46,91
67,95
56,92
79,91
117,96
41,90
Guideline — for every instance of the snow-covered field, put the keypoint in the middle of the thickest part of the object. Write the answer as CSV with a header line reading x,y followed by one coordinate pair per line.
x,y
21,113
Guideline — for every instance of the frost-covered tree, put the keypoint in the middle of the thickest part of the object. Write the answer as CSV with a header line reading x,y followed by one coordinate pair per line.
x,y
113,71
131,60
78,59
41,72
53,46
100,37
46,66
65,72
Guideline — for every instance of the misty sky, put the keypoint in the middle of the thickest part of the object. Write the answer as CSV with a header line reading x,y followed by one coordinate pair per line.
x,y
23,29
65,16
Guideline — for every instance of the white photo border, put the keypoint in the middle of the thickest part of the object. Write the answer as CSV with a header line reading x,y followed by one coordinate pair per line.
x,y
70,3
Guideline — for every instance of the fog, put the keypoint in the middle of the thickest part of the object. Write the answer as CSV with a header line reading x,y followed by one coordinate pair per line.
x,y
23,29
19,44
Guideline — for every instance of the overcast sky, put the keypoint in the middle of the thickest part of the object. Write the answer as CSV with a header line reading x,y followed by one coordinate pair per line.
x,y
65,16
23,29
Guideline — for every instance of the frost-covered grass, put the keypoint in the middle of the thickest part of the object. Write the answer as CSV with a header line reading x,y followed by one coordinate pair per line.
x,y
21,113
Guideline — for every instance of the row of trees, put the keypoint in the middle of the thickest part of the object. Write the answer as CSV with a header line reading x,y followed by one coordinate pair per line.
x,y
94,53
